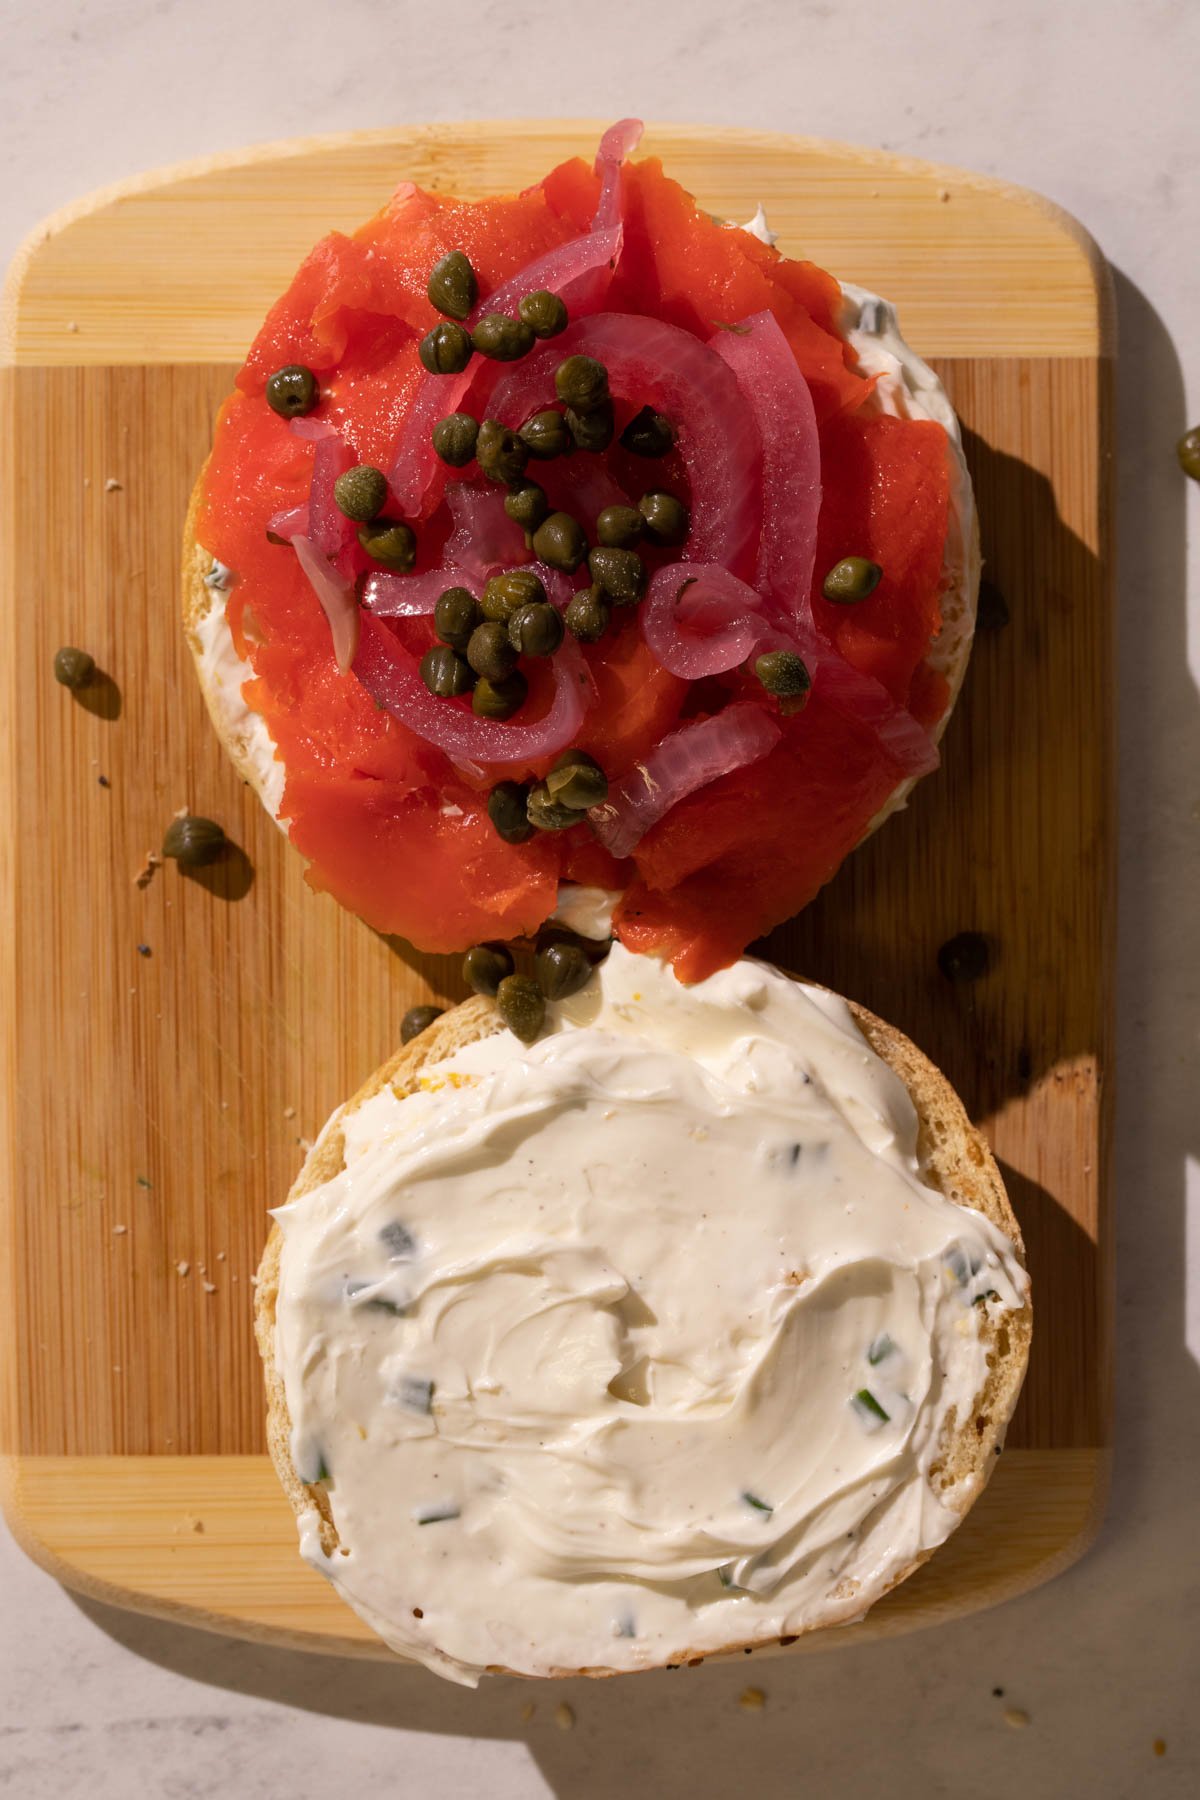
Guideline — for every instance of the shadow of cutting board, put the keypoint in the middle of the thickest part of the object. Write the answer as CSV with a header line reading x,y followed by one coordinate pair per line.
x,y
170,1047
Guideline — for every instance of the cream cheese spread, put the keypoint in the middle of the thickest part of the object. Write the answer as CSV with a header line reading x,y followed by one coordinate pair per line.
x,y
636,1343
223,673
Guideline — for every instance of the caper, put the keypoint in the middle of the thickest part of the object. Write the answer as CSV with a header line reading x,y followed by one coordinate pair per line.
x,y
501,339
445,673
503,594
547,813
73,668
1188,452
500,699
561,970
851,580
490,652
390,542
361,493
453,288
522,1006
455,616
619,527
506,810
648,433
446,350
588,616
965,957
454,439
485,967
592,430
544,313
194,841
535,630
500,453
292,391
619,574
416,1020
559,541
783,673
577,781
581,382
667,519
546,435
527,505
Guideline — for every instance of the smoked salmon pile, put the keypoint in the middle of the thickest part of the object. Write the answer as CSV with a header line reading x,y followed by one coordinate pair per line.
x,y
533,506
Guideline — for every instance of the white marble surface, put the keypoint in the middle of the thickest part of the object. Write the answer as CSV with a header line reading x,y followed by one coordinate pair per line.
x,y
1091,101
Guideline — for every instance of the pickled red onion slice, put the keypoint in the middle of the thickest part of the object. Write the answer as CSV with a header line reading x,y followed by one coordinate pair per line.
x,y
618,142
414,596
700,620
484,538
650,361
390,675
336,595
683,762
778,398
292,522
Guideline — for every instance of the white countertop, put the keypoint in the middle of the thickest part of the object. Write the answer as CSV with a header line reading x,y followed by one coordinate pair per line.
x,y
1093,102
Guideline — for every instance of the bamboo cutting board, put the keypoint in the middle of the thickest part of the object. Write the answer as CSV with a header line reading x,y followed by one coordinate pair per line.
x,y
170,1047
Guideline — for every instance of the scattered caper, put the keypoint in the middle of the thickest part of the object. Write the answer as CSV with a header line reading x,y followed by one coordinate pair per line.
x,y
446,350
445,673
782,672
454,439
965,957
455,616
490,652
503,594
620,575
500,453
292,391
648,433
390,542
416,1020
546,435
506,810
485,967
592,430
619,527
522,1006
547,813
500,699
194,841
559,541
453,288
851,580
577,781
581,382
667,519
535,630
501,339
1188,452
544,313
73,668
361,493
527,505
561,970
588,616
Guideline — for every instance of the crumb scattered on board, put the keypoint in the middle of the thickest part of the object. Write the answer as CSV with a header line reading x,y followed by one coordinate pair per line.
x,y
113,486
289,1112
527,1711
752,1699
181,1268
1159,1746
943,193
210,1287
119,1230
145,874
564,1716
1017,1717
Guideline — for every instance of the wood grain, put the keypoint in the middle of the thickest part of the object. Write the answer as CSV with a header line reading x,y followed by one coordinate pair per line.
x,y
158,1103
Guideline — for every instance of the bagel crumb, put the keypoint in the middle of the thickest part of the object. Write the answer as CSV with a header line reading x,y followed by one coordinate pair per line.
x,y
1017,1717
181,1268
527,1712
752,1699
564,1716
1159,1746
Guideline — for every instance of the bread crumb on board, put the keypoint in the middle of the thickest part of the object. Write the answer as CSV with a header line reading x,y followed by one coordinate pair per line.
x,y
564,1716
1017,1717
527,1711
113,486
752,1699
1159,1746
181,1268
145,874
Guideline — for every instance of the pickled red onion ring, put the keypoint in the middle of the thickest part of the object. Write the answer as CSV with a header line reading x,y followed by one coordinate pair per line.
x,y
650,361
700,620
619,141
683,762
336,595
414,596
390,675
484,538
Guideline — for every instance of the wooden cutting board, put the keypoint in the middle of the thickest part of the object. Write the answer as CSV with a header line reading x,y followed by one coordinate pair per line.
x,y
170,1048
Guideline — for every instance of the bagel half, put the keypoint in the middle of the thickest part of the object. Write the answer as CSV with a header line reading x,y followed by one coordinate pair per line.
x,y
953,1159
